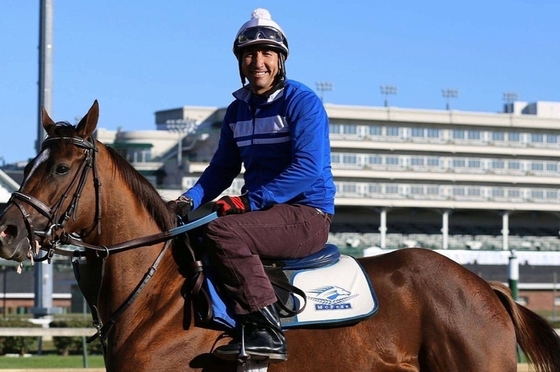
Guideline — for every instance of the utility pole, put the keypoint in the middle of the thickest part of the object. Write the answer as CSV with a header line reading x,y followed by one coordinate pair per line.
x,y
43,281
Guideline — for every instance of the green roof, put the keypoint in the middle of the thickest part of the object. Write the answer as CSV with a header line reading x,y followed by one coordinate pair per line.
x,y
130,145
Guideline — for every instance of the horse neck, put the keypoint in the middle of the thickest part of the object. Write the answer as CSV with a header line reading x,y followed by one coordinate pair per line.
x,y
123,218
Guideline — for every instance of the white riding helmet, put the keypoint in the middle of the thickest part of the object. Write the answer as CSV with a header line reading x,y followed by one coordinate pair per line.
x,y
261,30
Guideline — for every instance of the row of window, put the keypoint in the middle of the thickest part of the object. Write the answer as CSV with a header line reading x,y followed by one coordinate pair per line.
x,y
428,191
447,192
444,134
441,163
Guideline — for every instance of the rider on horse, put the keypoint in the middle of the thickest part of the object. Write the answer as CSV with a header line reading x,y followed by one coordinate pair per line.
x,y
278,130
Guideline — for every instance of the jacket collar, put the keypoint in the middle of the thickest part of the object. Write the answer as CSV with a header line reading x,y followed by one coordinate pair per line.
x,y
244,94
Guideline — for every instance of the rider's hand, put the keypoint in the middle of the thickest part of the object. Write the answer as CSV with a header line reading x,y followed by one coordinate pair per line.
x,y
232,205
181,206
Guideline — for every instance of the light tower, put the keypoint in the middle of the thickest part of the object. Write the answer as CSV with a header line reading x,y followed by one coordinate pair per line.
x,y
324,86
448,94
182,127
388,90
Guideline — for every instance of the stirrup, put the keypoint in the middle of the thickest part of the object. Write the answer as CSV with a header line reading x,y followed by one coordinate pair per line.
x,y
243,356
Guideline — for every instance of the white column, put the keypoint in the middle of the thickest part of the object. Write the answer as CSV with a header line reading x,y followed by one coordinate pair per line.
x,y
505,231
383,227
445,229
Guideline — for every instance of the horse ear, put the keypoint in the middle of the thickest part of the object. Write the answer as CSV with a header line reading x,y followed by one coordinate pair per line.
x,y
46,119
87,125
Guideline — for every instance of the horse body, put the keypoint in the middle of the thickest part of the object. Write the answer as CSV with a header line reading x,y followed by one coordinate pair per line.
x,y
434,315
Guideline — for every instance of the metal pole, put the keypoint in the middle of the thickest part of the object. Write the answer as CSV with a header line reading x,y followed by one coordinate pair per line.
x,y
43,270
5,288
45,65
554,281
513,274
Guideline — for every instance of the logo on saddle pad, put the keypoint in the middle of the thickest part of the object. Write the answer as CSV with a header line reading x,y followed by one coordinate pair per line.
x,y
330,297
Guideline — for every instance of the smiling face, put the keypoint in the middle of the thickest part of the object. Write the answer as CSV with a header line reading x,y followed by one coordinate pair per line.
x,y
260,66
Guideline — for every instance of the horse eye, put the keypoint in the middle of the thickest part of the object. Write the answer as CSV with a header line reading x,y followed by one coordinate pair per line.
x,y
62,169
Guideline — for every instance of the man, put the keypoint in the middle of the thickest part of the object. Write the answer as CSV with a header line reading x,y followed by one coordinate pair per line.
x,y
279,131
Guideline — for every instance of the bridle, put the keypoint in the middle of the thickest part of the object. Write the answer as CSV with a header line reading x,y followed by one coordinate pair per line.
x,y
54,234
56,220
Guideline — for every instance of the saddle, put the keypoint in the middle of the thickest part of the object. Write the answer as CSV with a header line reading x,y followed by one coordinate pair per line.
x,y
336,284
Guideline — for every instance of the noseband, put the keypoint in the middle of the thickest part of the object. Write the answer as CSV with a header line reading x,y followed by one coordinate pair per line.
x,y
56,218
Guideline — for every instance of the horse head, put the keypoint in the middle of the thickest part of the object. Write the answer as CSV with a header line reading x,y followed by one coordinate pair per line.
x,y
46,203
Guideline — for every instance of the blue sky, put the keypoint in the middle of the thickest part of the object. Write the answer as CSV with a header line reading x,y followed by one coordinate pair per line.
x,y
138,57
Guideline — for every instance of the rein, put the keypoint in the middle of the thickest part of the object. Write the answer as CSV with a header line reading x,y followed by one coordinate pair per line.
x,y
199,217
57,222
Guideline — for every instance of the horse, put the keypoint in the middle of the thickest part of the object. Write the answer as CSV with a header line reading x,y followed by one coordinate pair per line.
x,y
434,315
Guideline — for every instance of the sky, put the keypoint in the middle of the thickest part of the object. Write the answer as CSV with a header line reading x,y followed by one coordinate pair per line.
x,y
142,56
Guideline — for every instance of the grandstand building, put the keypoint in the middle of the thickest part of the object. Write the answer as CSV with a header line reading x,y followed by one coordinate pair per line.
x,y
440,179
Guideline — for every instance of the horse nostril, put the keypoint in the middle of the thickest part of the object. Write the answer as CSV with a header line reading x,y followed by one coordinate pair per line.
x,y
8,234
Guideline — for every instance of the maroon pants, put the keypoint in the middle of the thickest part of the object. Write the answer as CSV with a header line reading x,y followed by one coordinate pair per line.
x,y
237,242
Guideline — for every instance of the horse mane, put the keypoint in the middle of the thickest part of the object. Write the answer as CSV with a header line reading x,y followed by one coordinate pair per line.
x,y
146,193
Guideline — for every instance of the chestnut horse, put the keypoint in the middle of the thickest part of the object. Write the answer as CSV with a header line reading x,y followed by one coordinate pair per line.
x,y
434,315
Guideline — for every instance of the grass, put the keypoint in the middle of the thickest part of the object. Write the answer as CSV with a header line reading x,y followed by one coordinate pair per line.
x,y
51,361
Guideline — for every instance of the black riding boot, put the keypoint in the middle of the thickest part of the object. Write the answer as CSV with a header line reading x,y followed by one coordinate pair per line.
x,y
264,339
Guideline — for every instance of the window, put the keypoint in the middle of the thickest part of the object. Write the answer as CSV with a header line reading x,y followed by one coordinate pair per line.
x,y
393,131
498,136
335,158
537,166
474,163
514,165
417,132
537,138
458,191
350,129
474,134
417,161
433,161
335,128
498,192
551,138
552,194
498,164
375,188
514,193
552,167
514,137
433,133
392,160
349,187
375,130
459,163
375,159
432,190
537,194
417,190
391,189
349,159
458,134
473,191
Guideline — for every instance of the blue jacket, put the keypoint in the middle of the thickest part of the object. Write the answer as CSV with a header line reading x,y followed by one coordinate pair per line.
x,y
283,143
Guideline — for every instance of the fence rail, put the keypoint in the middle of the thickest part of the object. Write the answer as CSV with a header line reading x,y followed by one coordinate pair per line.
x,y
46,332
